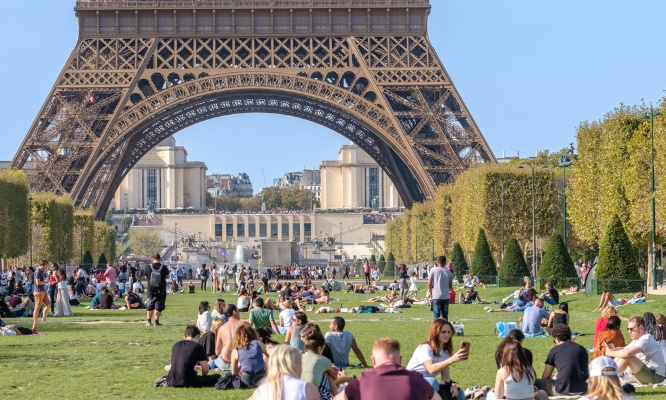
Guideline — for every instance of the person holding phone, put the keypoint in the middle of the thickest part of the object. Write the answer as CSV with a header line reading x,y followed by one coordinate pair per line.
x,y
435,356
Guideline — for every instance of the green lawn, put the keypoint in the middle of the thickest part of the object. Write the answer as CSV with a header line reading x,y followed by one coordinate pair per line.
x,y
112,354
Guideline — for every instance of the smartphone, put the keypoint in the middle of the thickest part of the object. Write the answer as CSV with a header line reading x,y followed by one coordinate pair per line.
x,y
465,346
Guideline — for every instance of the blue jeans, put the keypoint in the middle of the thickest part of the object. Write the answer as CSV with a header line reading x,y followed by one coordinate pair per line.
x,y
440,308
548,300
218,363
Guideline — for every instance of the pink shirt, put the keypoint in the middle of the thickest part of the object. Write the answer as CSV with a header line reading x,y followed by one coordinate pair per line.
x,y
110,275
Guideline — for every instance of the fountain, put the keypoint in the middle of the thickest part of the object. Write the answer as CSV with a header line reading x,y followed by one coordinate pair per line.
x,y
238,255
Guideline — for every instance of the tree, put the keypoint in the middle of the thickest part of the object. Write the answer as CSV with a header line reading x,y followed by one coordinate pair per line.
x,y
460,266
557,266
144,242
14,213
373,260
88,261
381,262
226,203
390,265
53,218
616,259
513,266
482,260
101,263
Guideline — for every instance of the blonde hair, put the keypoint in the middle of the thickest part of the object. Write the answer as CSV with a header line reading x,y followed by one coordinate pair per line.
x,y
217,322
605,387
609,311
284,360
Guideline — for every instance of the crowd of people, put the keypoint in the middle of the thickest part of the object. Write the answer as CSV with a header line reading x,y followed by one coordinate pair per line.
x,y
291,355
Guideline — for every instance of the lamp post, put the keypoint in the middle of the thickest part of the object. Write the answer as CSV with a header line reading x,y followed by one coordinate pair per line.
x,y
30,202
416,238
175,240
564,163
534,256
651,115
125,195
59,241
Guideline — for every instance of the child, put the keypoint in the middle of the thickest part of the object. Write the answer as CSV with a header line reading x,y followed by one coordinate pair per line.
x,y
413,288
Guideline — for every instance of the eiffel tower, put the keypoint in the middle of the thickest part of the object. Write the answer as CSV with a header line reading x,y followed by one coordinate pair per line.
x,y
143,70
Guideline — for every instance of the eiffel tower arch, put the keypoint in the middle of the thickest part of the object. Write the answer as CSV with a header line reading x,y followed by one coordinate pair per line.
x,y
143,70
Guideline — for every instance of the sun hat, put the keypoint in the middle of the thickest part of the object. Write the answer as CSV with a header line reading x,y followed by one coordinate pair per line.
x,y
603,366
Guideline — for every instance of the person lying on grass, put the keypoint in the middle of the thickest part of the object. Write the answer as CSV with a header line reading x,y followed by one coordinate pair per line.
x,y
608,298
383,299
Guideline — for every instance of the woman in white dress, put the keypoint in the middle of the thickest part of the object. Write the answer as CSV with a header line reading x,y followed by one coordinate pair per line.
x,y
62,300
413,288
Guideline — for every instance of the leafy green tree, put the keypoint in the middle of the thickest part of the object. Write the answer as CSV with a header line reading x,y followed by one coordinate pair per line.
x,y
144,242
381,262
513,266
390,265
53,218
482,259
14,213
460,266
616,256
227,203
557,266
88,261
101,263
373,260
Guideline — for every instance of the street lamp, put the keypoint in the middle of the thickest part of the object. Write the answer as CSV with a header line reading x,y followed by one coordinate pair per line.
x,y
651,115
175,240
564,163
416,238
125,195
30,202
502,182
534,256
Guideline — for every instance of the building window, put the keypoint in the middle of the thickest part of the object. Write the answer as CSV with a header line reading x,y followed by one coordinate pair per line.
x,y
240,230
307,229
262,230
230,230
297,229
252,228
373,185
274,230
218,230
285,230
151,188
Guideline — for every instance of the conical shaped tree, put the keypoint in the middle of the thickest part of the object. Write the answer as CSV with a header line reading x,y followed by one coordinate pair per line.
x,y
88,261
557,266
460,266
616,258
101,263
513,266
373,260
381,262
482,260
389,270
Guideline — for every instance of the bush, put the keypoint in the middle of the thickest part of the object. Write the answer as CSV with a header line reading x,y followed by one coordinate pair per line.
x,y
101,263
460,266
513,264
616,258
373,260
381,262
482,260
88,261
389,269
557,266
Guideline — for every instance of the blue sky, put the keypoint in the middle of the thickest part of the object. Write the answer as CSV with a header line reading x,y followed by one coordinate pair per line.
x,y
529,72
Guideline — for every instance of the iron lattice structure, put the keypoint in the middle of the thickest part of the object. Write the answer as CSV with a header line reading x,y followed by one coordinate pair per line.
x,y
143,70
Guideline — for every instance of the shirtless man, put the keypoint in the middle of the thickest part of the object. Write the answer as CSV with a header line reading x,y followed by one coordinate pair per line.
x,y
323,299
224,338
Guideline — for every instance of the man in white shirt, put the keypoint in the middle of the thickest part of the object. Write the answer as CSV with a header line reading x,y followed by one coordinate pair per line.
x,y
643,356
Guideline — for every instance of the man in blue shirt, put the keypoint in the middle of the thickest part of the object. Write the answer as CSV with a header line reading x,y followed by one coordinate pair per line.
x,y
41,297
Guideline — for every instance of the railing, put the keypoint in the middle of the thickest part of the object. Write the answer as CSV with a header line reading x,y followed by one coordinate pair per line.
x,y
616,286
82,4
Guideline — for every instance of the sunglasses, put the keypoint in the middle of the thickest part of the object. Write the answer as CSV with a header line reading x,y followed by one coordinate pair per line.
x,y
632,328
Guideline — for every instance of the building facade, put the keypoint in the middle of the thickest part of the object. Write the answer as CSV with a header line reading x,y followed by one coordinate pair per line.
x,y
163,179
226,184
355,180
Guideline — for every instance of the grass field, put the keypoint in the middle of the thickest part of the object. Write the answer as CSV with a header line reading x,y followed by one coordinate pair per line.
x,y
112,354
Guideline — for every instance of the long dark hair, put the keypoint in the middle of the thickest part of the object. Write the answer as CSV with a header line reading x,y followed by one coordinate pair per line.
x,y
513,357
514,335
613,323
433,337
651,325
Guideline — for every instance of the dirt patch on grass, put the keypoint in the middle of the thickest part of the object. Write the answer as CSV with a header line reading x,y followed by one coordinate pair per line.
x,y
99,322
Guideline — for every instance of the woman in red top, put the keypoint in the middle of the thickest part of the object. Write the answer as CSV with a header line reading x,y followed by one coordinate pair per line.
x,y
600,325
612,334
53,285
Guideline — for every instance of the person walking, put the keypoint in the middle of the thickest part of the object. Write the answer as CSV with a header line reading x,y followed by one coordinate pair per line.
x,y
402,280
440,281
366,270
157,275
346,273
39,292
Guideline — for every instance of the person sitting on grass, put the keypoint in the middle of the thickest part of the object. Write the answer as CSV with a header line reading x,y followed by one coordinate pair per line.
x,y
204,320
570,359
191,288
285,317
185,356
293,333
520,304
207,339
608,298
341,341
218,311
518,336
611,335
517,294
25,308
559,316
472,297
260,316
604,382
551,295
282,381
515,378
600,324
531,322
106,300
247,357
133,301
318,369
642,357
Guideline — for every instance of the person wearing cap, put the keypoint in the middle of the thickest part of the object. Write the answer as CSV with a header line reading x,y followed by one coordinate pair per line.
x,y
604,383
570,359
642,357
472,296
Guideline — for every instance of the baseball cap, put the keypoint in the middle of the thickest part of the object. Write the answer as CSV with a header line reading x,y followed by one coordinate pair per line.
x,y
603,366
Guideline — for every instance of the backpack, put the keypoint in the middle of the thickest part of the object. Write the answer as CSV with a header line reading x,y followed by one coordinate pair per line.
x,y
155,281
502,328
